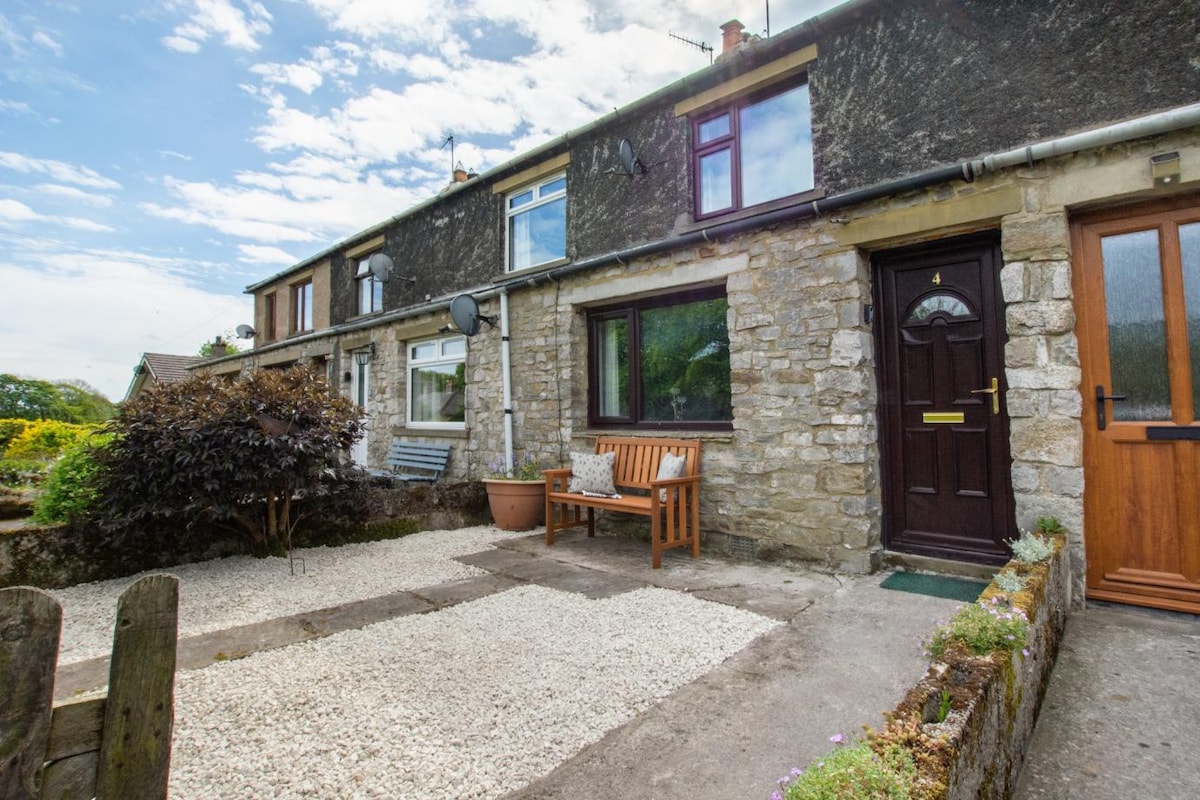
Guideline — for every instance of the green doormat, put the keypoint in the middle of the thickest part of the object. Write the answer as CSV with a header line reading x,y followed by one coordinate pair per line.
x,y
935,586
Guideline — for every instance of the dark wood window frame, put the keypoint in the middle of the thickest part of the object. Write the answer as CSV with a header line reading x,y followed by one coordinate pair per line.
x,y
631,313
732,142
269,323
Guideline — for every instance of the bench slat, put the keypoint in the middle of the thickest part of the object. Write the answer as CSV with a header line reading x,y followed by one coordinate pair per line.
x,y
428,457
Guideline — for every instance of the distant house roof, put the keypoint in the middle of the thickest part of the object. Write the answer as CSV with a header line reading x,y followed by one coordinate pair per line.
x,y
159,368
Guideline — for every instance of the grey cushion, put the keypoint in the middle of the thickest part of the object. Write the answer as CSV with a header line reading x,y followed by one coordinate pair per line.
x,y
592,473
672,466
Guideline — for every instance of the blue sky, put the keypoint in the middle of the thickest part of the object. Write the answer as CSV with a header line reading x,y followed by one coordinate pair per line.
x,y
156,156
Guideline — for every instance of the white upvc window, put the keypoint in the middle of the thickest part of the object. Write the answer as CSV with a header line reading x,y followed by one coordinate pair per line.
x,y
536,224
437,383
370,290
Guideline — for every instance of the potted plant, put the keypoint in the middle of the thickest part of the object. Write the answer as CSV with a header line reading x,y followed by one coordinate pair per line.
x,y
516,493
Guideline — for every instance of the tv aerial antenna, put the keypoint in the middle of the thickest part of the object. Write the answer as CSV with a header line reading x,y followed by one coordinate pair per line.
x,y
703,47
449,140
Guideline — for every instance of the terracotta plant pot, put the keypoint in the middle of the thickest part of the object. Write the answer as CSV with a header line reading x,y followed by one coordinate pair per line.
x,y
516,505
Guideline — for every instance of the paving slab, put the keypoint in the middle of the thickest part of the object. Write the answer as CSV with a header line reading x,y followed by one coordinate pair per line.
x,y
552,573
838,665
1121,716
776,591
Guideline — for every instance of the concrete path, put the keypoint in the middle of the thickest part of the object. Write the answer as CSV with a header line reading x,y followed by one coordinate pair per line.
x,y
847,652
1121,717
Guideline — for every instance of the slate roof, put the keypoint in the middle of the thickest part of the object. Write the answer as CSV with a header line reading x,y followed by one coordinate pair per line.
x,y
167,368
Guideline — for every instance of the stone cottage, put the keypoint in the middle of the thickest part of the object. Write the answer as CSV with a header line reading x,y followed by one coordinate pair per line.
x,y
917,272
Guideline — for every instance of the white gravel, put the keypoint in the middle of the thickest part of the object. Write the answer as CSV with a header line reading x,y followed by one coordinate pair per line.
x,y
469,702
220,594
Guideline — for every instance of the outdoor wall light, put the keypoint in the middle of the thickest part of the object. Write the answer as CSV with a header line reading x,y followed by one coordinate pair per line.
x,y
363,357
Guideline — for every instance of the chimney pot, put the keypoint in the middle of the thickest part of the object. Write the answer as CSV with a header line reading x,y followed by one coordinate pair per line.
x,y
460,175
731,35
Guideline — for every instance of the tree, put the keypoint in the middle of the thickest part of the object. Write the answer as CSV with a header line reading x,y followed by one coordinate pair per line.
x,y
24,398
69,401
83,402
234,453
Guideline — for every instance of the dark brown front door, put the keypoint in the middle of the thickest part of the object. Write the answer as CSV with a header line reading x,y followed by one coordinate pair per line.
x,y
944,436
1137,284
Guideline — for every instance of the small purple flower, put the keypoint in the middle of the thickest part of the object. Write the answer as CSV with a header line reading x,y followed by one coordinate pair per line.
x,y
776,795
796,772
1025,652
837,738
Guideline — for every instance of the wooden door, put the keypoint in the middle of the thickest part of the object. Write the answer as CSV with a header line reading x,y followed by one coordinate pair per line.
x,y
944,427
1137,286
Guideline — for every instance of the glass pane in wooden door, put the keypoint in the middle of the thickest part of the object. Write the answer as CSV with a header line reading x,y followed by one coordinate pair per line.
x,y
1189,251
1137,333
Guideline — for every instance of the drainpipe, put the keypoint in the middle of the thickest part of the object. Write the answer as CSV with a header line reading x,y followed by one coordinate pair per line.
x,y
506,380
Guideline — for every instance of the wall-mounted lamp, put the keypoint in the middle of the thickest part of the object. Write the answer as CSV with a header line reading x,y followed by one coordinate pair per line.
x,y
364,356
1164,168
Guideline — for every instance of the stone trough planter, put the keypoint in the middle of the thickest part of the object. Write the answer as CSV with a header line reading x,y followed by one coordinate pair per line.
x,y
977,748
994,698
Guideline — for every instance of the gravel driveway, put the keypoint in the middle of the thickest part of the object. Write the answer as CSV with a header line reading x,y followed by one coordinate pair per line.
x,y
469,702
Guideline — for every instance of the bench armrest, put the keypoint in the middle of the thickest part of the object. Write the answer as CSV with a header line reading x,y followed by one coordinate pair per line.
x,y
659,487
556,479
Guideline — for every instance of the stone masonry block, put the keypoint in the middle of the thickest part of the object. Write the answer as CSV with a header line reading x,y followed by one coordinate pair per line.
x,y
1045,317
1047,441
1040,237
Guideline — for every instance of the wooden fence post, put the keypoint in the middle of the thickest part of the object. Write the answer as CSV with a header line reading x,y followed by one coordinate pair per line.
x,y
135,746
30,626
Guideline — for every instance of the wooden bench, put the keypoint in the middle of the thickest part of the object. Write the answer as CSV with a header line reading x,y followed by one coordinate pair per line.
x,y
414,461
674,521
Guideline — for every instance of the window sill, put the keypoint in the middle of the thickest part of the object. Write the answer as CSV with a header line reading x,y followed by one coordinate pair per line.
x,y
753,211
431,430
558,262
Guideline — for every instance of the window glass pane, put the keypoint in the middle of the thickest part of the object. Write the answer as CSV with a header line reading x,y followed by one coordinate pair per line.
x,y
685,362
712,129
376,295
1189,248
557,185
1137,335
776,147
423,351
454,347
612,367
518,200
436,393
364,295
941,304
364,268
716,182
538,235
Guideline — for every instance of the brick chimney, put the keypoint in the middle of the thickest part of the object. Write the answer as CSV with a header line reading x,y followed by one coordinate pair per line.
x,y
219,348
732,36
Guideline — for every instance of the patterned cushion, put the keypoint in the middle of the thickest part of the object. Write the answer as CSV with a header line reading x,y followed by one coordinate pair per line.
x,y
592,473
671,467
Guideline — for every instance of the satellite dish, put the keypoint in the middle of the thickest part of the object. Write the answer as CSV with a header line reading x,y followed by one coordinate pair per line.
x,y
464,310
630,163
380,266
245,332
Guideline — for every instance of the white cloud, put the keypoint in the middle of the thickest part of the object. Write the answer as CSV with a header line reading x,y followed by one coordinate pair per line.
x,y
72,194
44,40
238,27
107,309
258,254
16,211
16,108
58,170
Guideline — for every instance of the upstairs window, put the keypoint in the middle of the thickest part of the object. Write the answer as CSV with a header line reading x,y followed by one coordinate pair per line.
x,y
436,382
370,290
302,310
757,150
537,223
662,362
